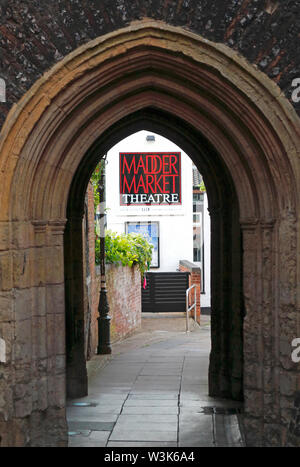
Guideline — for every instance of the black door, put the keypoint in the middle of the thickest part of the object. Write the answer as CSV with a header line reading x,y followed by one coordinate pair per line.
x,y
165,292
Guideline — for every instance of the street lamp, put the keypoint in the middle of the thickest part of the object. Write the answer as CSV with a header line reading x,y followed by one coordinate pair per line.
x,y
104,346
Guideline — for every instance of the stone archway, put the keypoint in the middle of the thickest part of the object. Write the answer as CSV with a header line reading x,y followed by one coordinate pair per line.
x,y
48,147
226,368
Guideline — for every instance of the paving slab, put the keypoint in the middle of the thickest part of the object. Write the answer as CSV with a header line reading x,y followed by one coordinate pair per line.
x,y
95,439
196,429
148,393
159,371
139,435
99,390
152,392
105,409
154,418
95,408
226,431
103,417
209,402
156,387
195,396
146,425
168,410
151,403
158,378
144,396
78,425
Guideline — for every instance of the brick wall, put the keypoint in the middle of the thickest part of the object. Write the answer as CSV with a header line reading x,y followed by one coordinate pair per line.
x,y
124,299
194,279
123,291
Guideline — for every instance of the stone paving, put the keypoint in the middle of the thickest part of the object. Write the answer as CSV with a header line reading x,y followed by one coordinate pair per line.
x,y
153,392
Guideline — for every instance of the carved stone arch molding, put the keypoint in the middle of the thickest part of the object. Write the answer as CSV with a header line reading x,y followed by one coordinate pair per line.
x,y
240,131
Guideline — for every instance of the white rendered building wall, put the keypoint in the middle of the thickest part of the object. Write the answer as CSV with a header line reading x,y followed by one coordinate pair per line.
x,y
175,222
206,296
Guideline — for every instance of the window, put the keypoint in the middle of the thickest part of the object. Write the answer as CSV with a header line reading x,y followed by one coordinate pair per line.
x,y
198,227
198,223
150,230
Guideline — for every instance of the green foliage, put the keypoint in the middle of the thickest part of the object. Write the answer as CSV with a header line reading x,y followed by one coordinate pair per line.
x,y
128,249
202,186
97,250
95,181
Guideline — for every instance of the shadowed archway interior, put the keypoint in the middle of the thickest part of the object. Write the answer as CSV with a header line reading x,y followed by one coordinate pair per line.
x,y
226,362
242,134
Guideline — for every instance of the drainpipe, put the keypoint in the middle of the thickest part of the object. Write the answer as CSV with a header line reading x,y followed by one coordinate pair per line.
x,y
104,346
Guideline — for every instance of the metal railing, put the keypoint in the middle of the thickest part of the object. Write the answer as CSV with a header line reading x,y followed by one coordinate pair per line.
x,y
189,308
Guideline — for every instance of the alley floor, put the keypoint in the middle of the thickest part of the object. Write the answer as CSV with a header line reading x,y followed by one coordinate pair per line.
x,y
153,391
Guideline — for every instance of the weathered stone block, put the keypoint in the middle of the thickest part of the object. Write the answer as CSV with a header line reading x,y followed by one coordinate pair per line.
x,y
60,391
39,301
40,266
60,333
42,365
253,431
251,347
23,304
39,337
22,235
22,269
253,402
23,341
271,411
51,388
6,306
50,336
60,364
23,407
4,236
23,372
253,376
272,436
6,391
40,394
287,415
288,383
268,382
6,274
55,265
55,298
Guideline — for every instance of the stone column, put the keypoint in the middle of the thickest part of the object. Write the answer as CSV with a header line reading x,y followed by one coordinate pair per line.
x,y
77,384
253,339
215,387
288,328
48,426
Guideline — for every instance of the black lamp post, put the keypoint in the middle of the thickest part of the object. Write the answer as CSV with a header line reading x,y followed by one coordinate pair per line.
x,y
104,346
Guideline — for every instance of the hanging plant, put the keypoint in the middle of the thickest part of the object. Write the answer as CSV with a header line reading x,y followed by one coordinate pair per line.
x,y
127,249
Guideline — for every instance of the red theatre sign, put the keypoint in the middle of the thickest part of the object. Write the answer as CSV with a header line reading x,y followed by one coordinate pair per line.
x,y
150,178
